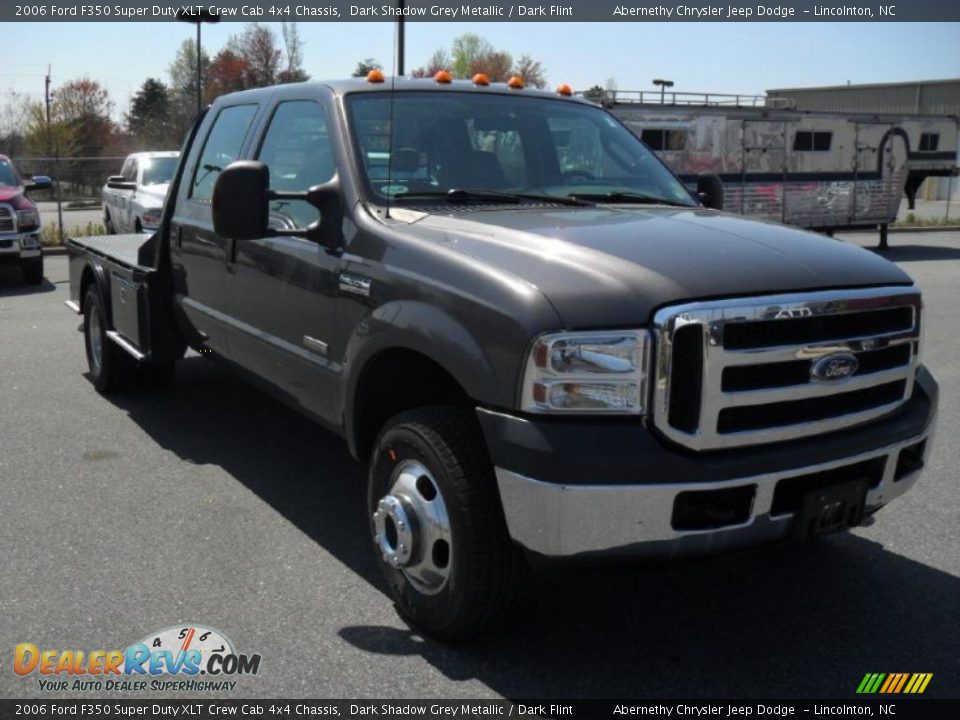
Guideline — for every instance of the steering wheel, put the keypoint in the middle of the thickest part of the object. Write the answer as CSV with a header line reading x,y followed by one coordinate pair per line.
x,y
573,175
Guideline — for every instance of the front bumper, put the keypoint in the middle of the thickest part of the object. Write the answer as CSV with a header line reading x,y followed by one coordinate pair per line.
x,y
12,250
579,489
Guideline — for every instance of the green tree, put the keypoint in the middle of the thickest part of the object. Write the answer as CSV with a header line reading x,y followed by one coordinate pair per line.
x,y
467,49
149,115
183,86
365,66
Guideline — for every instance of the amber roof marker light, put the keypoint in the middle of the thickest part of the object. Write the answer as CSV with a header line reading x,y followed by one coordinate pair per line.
x,y
564,90
515,83
375,76
443,77
481,79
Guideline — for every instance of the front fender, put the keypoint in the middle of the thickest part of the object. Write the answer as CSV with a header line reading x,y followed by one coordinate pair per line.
x,y
434,333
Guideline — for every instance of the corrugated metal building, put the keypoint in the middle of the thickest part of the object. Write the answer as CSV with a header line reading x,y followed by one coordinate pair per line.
x,y
922,97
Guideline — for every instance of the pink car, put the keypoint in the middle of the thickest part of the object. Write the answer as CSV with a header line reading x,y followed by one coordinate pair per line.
x,y
20,222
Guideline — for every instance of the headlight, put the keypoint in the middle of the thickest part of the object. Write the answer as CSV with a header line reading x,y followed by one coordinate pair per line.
x,y
28,218
29,242
587,372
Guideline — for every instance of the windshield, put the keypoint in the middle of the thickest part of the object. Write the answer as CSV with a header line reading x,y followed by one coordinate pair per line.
x,y
8,176
502,144
159,170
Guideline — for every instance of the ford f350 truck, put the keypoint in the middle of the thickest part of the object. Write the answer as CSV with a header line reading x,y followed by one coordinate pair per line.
x,y
541,342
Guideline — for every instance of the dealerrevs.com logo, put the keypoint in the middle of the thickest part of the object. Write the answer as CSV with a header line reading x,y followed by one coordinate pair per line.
x,y
187,657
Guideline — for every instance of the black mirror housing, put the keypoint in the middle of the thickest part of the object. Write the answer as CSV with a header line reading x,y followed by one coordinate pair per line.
x,y
120,183
239,202
710,190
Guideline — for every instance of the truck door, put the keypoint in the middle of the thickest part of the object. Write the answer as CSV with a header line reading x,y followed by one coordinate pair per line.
x,y
281,291
197,252
121,218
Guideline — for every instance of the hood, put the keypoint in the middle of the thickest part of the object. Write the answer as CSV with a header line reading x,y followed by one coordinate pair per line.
x,y
153,193
13,194
614,266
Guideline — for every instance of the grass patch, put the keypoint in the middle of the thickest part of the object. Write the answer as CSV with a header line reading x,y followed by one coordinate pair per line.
x,y
911,220
50,234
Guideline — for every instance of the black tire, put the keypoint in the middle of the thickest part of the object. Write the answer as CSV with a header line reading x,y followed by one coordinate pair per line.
x,y
485,569
115,370
33,271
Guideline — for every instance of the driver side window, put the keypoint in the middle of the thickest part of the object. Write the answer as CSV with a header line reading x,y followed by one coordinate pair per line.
x,y
298,152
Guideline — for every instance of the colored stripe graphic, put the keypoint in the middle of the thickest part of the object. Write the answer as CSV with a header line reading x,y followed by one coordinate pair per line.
x,y
894,683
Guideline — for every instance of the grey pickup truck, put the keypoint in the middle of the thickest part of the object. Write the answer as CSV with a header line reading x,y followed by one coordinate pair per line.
x,y
543,344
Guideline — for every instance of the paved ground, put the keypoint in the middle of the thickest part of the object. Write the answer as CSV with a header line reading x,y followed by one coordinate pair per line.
x,y
210,503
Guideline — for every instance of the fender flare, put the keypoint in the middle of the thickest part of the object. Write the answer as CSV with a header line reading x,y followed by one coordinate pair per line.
x,y
102,281
422,328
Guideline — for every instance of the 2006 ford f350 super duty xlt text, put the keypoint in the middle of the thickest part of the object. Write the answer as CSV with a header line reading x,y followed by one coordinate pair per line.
x,y
543,344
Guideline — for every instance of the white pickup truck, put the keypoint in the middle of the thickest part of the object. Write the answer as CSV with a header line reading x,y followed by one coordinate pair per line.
x,y
133,199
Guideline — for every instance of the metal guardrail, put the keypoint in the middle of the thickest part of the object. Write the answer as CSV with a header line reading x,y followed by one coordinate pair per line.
x,y
701,99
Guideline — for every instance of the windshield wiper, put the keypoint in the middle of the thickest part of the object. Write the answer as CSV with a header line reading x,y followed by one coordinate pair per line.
x,y
457,195
627,198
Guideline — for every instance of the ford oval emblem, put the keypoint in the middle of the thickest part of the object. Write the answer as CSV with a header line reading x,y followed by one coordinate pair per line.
x,y
836,366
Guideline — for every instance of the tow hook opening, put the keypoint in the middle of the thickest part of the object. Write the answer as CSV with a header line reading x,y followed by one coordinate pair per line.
x,y
711,509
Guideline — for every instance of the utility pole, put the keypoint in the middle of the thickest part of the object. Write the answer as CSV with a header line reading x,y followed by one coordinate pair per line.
x,y
400,37
50,153
203,15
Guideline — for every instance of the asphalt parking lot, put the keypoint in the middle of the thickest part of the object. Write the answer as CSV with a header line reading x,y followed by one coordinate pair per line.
x,y
209,503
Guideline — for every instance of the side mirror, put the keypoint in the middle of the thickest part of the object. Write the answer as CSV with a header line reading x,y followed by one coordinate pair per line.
x,y
710,190
39,182
240,200
118,182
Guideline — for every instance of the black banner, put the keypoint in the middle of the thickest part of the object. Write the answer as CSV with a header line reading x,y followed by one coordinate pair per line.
x,y
482,11
894,707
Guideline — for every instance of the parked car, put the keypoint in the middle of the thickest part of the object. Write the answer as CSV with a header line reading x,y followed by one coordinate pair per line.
x,y
132,200
20,222
566,360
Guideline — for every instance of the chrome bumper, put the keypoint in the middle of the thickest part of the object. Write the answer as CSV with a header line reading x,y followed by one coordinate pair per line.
x,y
11,248
583,520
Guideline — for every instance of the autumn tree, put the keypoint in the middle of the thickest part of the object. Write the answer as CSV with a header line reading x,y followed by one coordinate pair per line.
x,y
257,45
440,60
228,73
531,71
365,66
495,65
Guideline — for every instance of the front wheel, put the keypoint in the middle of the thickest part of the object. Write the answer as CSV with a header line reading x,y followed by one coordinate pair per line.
x,y
437,525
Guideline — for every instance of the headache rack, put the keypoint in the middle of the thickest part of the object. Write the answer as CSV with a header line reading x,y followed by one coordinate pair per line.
x,y
738,372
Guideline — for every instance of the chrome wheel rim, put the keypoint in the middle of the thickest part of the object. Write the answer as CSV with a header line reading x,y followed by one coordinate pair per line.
x,y
95,340
412,528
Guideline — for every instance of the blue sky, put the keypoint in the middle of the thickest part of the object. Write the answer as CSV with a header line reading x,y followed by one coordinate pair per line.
x,y
701,57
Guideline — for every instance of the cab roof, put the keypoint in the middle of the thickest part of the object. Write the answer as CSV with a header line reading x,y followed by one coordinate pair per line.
x,y
407,84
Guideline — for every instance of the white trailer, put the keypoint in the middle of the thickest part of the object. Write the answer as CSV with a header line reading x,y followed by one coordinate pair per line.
x,y
818,170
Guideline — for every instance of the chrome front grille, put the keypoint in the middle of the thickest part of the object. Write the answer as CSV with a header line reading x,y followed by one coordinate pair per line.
x,y
745,371
8,219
